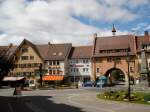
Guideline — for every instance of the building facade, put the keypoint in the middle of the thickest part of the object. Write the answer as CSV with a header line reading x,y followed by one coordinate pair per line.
x,y
114,54
80,64
117,54
27,59
56,60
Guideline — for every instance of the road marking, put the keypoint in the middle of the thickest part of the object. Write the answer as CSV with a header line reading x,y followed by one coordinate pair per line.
x,y
83,105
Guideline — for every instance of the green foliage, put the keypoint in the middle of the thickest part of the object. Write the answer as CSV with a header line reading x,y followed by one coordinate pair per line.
x,y
123,96
147,97
6,64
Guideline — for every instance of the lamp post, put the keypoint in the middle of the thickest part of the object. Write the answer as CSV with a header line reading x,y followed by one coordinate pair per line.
x,y
40,70
74,79
129,89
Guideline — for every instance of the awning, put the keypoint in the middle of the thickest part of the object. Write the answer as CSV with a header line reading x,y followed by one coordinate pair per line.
x,y
53,78
12,78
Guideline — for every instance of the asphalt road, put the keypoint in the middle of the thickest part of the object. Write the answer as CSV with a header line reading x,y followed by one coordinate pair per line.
x,y
76,100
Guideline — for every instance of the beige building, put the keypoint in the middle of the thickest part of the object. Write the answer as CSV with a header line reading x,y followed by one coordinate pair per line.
x,y
53,57
27,59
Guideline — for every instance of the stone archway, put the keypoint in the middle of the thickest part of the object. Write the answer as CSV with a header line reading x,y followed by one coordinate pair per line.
x,y
115,76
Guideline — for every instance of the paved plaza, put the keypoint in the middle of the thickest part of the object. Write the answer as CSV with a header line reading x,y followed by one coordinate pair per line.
x,y
64,100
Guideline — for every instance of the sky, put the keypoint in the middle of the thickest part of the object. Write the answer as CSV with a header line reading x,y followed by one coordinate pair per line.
x,y
70,21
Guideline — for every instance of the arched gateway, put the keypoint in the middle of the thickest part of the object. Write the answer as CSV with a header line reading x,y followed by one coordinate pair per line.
x,y
115,76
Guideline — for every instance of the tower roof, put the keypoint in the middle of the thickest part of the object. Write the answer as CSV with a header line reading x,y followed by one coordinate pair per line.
x,y
113,29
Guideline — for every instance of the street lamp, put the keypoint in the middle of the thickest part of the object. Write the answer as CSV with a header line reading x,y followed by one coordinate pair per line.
x,y
40,70
129,89
74,79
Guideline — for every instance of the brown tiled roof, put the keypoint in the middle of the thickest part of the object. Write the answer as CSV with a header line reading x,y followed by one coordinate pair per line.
x,y
114,42
142,40
81,52
27,42
7,50
54,51
3,48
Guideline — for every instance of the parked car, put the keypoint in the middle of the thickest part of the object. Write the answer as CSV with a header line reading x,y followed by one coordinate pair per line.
x,y
88,84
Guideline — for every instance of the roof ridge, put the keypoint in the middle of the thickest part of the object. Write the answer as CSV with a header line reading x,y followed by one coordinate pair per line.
x,y
83,46
116,36
54,44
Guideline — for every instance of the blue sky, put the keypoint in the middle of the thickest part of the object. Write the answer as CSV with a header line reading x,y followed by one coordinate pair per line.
x,y
75,21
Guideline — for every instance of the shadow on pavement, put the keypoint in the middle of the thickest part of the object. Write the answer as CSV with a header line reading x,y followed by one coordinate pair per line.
x,y
7,104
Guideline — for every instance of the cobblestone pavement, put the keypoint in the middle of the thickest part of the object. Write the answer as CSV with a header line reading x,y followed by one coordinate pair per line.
x,y
79,100
64,100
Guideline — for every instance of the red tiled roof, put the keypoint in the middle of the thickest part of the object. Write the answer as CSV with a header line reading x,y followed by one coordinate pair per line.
x,y
114,42
54,51
142,40
81,52
7,50
46,51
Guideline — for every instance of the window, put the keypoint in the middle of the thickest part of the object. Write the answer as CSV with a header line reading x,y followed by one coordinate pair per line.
x,y
131,69
24,50
71,70
50,62
99,60
31,57
50,72
117,60
35,65
29,65
54,62
60,53
54,72
77,70
109,59
57,71
85,69
54,54
97,70
58,63
24,57
85,61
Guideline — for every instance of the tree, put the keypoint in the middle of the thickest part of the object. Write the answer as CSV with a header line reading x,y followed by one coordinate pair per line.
x,y
6,62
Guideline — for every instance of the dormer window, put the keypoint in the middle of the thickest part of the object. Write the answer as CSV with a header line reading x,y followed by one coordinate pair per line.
x,y
60,53
54,54
24,50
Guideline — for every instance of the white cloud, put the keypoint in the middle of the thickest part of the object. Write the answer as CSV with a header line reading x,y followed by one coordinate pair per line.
x,y
148,27
136,3
141,27
52,20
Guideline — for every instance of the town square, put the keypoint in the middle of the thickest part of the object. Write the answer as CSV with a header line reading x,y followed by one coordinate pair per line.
x,y
74,56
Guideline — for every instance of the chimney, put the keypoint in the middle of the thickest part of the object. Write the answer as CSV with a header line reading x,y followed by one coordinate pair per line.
x,y
146,33
10,45
49,43
95,35
113,30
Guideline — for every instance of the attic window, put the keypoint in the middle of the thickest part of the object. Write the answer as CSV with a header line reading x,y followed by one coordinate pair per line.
x,y
24,50
60,53
54,54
